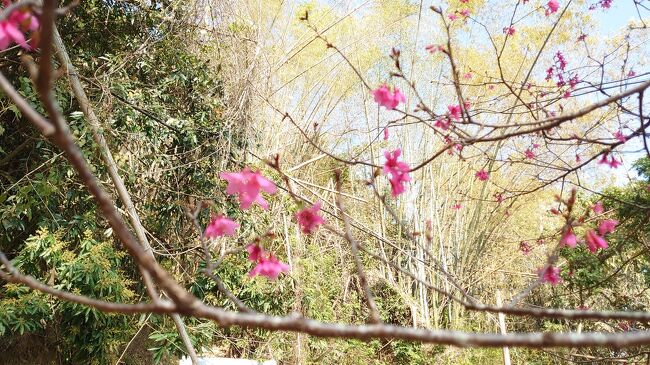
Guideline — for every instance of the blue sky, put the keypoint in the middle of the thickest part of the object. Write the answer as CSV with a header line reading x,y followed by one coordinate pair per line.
x,y
618,16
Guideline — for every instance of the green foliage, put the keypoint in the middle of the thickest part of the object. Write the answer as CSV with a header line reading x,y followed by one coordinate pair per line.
x,y
168,345
89,267
616,278
642,166
408,353
585,269
392,306
273,297
160,104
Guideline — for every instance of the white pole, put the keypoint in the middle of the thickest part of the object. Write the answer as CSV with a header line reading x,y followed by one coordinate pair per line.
x,y
502,327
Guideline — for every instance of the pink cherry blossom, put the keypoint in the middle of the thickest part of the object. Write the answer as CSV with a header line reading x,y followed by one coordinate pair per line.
x,y
12,28
464,1
392,165
569,238
499,197
457,206
551,7
398,170
631,74
561,61
433,48
386,134
9,33
269,266
509,30
578,159
612,162
607,226
467,75
529,154
255,252
385,98
397,183
482,175
220,226
598,208
247,185
465,13
309,218
550,275
452,17
549,73
620,136
594,241
455,111
605,4
442,123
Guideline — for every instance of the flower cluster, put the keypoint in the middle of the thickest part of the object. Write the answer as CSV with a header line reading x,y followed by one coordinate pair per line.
x,y
454,113
594,238
267,264
550,274
465,13
559,71
529,154
598,208
443,123
620,136
551,7
569,238
386,98
482,175
248,185
604,4
398,170
612,162
309,218
13,27
220,226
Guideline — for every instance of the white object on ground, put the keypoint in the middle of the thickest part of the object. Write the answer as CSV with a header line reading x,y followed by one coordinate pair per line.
x,y
225,361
